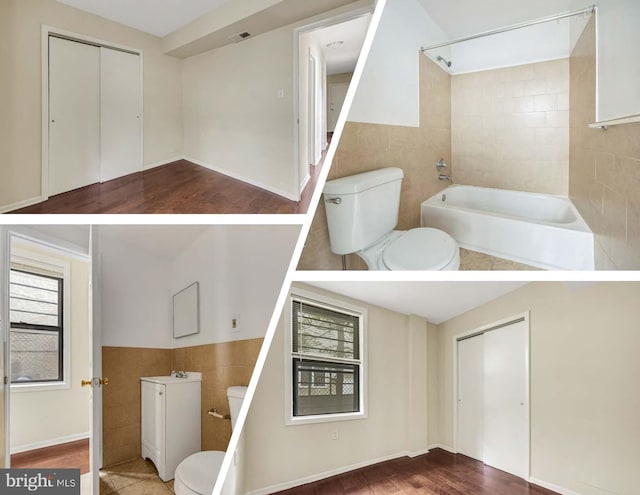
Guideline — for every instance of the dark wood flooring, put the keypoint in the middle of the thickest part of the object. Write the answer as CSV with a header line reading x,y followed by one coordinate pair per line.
x,y
179,187
437,472
66,455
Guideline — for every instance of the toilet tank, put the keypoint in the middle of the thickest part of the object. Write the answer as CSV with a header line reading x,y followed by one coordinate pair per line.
x,y
235,396
362,208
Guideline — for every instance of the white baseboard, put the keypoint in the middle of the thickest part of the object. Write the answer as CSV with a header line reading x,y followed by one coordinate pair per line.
x,y
305,182
321,476
552,487
163,162
451,450
418,452
228,173
49,443
21,204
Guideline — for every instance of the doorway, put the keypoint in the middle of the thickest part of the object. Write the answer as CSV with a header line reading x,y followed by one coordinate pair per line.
x,y
92,112
491,399
47,357
324,52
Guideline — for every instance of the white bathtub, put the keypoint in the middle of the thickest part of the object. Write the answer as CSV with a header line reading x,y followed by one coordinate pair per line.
x,y
536,229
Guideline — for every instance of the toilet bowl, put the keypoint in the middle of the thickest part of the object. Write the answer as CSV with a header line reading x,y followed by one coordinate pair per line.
x,y
362,211
197,474
415,249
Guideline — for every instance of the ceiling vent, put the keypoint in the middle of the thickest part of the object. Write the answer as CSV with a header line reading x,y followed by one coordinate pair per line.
x,y
236,38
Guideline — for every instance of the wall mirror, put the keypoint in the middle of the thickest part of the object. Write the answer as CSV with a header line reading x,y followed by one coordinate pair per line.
x,y
186,311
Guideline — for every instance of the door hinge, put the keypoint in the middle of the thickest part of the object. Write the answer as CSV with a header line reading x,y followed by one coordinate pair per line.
x,y
6,380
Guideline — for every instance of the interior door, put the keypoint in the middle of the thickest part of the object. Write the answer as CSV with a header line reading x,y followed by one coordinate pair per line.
x,y
4,332
311,135
337,95
506,428
74,115
95,309
120,114
471,397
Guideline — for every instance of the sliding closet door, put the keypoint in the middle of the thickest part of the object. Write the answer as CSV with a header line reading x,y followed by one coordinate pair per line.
x,y
74,115
506,430
470,396
121,107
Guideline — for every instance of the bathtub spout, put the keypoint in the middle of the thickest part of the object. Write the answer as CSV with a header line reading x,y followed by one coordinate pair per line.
x,y
445,177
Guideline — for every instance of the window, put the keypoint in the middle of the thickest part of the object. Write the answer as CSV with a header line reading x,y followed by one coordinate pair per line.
x,y
35,310
326,357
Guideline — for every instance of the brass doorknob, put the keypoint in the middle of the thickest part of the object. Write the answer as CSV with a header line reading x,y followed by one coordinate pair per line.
x,y
95,382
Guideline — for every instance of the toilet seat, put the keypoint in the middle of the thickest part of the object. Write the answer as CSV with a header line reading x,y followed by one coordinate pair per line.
x,y
197,474
422,249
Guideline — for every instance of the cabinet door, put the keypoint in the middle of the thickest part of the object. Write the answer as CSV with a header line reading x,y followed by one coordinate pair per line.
x,y
153,414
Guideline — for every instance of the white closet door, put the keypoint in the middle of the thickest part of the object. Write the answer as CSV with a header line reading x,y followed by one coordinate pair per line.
x,y
121,107
337,95
506,407
74,115
470,397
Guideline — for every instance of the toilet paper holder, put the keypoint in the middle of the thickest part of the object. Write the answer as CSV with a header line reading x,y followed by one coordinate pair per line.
x,y
217,414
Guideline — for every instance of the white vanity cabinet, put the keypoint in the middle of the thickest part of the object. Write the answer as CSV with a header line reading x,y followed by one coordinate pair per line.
x,y
170,420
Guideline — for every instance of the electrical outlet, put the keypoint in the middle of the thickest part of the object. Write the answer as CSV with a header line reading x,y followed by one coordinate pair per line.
x,y
280,94
335,435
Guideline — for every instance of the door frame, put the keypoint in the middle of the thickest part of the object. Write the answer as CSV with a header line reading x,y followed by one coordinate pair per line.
x,y
80,38
312,94
70,249
480,330
297,32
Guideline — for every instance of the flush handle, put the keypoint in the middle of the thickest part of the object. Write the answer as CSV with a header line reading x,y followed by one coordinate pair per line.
x,y
335,201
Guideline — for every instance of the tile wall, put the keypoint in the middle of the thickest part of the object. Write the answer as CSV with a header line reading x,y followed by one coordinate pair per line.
x,y
365,147
510,127
605,167
222,365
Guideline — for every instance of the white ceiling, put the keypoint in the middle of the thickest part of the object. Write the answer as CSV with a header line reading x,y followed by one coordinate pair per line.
x,y
466,17
434,301
343,58
157,17
161,240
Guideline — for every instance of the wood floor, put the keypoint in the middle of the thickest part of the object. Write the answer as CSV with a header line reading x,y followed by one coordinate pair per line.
x,y
66,455
437,472
179,187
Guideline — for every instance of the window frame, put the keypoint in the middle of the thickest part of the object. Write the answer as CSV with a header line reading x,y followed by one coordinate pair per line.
x,y
41,264
320,300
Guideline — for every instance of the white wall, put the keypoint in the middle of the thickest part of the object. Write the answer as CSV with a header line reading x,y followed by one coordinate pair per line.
x,y
389,89
306,451
44,418
240,270
585,398
136,295
234,121
618,59
21,180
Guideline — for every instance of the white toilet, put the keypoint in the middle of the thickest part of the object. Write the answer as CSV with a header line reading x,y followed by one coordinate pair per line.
x,y
197,474
362,211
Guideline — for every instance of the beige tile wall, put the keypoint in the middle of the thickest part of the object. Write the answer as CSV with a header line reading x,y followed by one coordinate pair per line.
x,y
365,147
121,398
222,365
605,167
510,127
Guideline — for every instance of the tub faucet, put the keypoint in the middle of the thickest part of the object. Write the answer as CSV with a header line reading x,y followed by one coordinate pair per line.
x,y
179,374
445,177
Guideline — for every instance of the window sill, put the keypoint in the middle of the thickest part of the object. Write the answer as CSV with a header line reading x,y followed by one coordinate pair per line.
x,y
39,387
324,418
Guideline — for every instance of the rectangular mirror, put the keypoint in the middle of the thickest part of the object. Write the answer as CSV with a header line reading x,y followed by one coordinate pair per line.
x,y
186,311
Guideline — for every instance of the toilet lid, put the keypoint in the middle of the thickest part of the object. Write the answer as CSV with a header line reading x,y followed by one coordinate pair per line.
x,y
420,249
200,471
